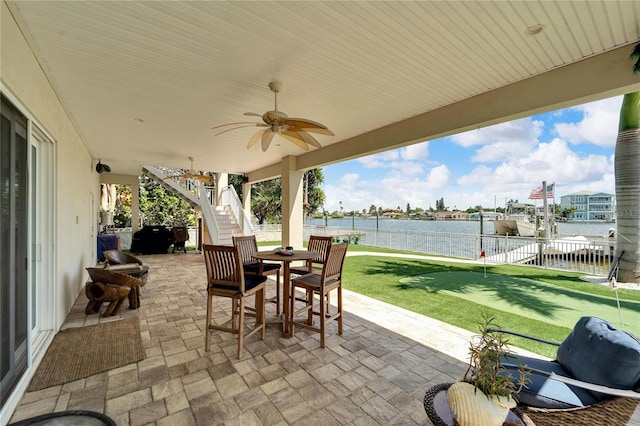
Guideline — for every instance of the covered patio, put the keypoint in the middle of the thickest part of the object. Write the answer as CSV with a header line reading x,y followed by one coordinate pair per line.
x,y
377,372
129,84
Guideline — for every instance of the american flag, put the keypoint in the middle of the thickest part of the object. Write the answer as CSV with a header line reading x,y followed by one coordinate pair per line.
x,y
536,194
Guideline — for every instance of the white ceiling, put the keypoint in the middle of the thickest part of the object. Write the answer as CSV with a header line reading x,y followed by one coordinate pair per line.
x,y
144,81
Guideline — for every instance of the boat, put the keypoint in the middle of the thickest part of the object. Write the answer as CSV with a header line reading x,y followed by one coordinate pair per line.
x,y
517,220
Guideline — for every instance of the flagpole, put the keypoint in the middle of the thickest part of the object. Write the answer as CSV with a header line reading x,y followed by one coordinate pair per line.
x,y
546,208
554,228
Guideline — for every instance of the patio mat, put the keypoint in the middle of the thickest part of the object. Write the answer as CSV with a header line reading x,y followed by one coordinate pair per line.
x,y
77,353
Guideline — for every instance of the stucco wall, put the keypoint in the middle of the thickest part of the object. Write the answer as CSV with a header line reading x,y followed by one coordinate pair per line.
x,y
25,83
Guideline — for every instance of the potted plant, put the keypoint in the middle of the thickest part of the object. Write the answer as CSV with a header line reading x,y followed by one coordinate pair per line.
x,y
484,395
106,216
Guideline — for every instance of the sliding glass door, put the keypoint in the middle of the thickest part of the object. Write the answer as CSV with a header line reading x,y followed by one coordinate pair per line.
x,y
14,244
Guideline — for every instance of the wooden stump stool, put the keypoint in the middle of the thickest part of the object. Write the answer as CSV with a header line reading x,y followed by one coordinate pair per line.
x,y
99,293
114,287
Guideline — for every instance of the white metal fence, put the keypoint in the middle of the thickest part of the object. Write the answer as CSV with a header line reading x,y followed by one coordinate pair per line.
x,y
579,254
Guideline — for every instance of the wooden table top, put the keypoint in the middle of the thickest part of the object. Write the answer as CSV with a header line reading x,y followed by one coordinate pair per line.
x,y
295,255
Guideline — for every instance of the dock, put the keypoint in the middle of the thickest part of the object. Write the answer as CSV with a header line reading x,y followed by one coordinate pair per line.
x,y
574,245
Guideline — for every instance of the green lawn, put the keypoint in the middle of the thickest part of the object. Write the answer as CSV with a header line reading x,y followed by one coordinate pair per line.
x,y
533,301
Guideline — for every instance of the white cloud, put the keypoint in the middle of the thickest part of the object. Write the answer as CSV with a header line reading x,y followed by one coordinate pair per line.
x,y
350,180
511,160
550,162
379,160
438,177
407,168
523,130
419,151
599,125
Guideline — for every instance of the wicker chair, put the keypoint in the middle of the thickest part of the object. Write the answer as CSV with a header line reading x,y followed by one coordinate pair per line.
x,y
248,245
614,352
225,278
321,284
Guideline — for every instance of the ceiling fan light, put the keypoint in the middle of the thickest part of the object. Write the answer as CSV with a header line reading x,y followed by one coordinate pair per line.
x,y
534,29
275,86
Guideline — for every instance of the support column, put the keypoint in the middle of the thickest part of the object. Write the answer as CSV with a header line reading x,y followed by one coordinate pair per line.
x,y
246,201
292,204
135,208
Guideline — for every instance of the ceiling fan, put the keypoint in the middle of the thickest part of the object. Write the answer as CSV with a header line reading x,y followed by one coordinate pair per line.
x,y
193,174
295,130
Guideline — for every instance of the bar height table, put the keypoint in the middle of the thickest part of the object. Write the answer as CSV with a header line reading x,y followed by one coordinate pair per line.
x,y
286,258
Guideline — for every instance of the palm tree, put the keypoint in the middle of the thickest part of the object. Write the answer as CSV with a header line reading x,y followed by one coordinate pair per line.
x,y
627,158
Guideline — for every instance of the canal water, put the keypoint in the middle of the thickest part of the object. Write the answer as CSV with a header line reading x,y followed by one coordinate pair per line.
x,y
600,229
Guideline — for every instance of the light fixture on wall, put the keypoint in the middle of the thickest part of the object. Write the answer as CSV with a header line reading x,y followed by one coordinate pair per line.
x,y
102,168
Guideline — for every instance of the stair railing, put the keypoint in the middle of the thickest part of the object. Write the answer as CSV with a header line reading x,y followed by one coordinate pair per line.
x,y
230,198
208,216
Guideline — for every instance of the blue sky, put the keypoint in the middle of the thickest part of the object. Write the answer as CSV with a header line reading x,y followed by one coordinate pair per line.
x,y
573,147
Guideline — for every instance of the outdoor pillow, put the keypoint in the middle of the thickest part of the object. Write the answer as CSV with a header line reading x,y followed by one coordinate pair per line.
x,y
597,352
543,392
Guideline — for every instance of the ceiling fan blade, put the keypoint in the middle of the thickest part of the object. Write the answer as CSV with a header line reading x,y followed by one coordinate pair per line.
x,y
295,138
253,114
303,123
233,124
173,176
309,139
240,127
255,138
267,137
313,130
207,180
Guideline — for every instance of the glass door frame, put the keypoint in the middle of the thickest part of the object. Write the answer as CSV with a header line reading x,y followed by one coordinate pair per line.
x,y
40,220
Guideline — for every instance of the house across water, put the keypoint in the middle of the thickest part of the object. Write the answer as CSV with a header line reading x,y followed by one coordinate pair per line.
x,y
590,205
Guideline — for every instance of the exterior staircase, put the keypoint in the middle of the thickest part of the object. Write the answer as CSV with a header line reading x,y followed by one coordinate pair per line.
x,y
221,223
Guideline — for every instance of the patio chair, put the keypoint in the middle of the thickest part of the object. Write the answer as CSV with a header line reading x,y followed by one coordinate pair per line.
x,y
594,379
225,278
248,245
319,245
116,257
180,237
321,284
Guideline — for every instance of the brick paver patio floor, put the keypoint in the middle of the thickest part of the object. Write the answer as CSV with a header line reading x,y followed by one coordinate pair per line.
x,y
377,372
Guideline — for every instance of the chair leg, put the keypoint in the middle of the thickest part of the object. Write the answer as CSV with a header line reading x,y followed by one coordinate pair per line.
x,y
240,327
260,317
310,307
323,319
340,309
278,292
208,323
292,310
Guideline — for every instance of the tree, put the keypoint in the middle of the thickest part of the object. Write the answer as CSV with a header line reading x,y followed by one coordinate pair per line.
x,y
122,213
315,195
568,212
160,208
408,208
266,201
266,197
373,209
627,173
440,205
